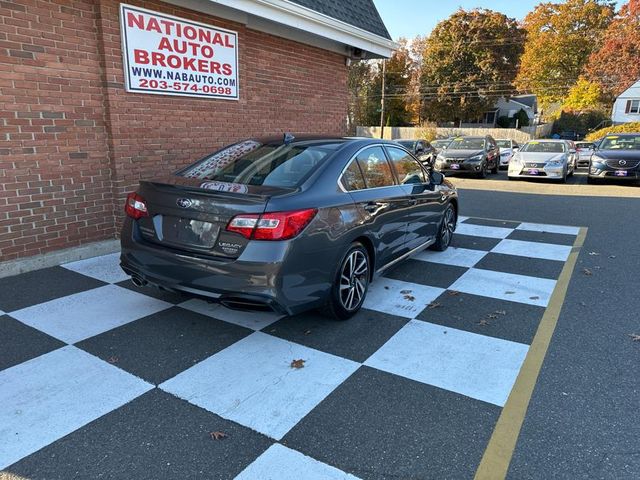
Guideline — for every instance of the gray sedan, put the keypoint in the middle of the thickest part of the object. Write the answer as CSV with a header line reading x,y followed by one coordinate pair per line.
x,y
286,224
553,159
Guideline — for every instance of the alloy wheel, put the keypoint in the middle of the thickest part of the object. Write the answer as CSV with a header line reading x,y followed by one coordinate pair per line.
x,y
448,226
353,280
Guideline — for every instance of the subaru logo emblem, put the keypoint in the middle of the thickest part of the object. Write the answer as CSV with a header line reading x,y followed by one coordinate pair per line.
x,y
622,162
184,202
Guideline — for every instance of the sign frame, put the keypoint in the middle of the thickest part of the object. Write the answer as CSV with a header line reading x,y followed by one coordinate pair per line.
x,y
127,69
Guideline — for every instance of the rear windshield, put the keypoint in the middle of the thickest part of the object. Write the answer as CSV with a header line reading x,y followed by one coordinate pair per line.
x,y
615,142
545,147
252,163
504,143
466,144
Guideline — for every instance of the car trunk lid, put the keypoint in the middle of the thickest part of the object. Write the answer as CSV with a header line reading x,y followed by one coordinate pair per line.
x,y
192,215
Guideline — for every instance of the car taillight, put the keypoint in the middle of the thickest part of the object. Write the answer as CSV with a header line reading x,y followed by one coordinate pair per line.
x,y
272,226
136,207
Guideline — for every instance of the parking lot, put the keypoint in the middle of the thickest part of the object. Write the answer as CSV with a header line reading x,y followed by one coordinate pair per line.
x,y
100,375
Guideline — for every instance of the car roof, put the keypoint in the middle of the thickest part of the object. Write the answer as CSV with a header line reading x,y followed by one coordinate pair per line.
x,y
625,134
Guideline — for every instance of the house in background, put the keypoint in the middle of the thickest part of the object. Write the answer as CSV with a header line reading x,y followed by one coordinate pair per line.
x,y
626,108
507,107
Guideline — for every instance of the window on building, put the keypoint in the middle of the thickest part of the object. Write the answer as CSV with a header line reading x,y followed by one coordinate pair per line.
x,y
633,106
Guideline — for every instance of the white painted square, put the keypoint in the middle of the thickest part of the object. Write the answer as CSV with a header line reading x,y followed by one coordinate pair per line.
x,y
506,286
462,218
1,313
546,251
105,268
252,382
460,257
478,366
483,230
281,463
540,227
50,396
252,320
396,297
85,314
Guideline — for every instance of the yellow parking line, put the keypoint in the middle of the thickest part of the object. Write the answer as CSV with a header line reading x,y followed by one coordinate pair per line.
x,y
497,456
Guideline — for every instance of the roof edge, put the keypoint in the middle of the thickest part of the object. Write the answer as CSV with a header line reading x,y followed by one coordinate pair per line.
x,y
306,19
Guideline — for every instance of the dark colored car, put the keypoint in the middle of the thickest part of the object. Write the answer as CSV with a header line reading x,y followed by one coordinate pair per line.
x,y
421,149
440,144
616,157
286,224
477,155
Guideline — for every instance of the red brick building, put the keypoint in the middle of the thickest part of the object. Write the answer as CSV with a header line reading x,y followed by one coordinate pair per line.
x,y
76,135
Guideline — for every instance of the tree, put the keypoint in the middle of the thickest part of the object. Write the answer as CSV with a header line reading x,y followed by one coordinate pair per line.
x,y
560,38
469,61
616,64
522,118
398,73
361,88
584,95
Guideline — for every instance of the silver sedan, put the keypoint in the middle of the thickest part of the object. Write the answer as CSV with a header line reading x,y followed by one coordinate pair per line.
x,y
553,159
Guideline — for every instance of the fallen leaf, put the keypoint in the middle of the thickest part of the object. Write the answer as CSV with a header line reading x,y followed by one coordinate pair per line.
x,y
612,256
483,322
593,254
492,315
509,292
273,330
113,359
405,292
297,363
307,332
386,288
434,305
218,435
535,297
453,293
500,312
411,298
634,337
586,271
457,317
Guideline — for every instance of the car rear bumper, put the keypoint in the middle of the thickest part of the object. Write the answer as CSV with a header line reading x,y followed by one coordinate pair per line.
x,y
259,279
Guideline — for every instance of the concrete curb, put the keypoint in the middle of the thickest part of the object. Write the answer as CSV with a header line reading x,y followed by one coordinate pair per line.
x,y
23,265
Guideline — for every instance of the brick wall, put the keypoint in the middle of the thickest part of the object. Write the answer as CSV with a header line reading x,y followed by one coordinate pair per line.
x,y
74,142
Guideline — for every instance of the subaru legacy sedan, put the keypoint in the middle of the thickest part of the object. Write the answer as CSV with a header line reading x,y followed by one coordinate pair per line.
x,y
286,224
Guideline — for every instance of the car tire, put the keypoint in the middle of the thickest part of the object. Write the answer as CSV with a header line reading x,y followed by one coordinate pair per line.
x,y
513,178
351,280
447,227
592,181
483,171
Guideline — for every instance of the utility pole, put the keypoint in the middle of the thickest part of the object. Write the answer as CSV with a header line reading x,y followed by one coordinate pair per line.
x,y
384,64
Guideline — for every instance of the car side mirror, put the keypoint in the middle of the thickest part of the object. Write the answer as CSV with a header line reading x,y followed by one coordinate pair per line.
x,y
437,178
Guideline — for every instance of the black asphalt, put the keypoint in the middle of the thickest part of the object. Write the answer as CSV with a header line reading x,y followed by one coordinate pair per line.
x,y
583,420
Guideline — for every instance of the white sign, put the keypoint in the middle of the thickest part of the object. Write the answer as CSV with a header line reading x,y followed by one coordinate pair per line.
x,y
167,55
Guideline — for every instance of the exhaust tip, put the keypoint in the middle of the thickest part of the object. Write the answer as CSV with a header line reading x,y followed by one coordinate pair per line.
x,y
138,281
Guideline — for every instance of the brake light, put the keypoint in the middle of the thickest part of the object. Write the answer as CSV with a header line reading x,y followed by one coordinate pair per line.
x,y
136,207
272,226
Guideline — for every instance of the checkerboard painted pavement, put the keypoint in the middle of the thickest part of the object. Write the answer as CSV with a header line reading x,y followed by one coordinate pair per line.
x,y
97,376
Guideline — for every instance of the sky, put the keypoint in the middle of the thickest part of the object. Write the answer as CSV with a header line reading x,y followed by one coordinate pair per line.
x,y
408,18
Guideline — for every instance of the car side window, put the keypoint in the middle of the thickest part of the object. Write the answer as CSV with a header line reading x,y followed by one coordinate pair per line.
x,y
406,167
352,178
375,168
